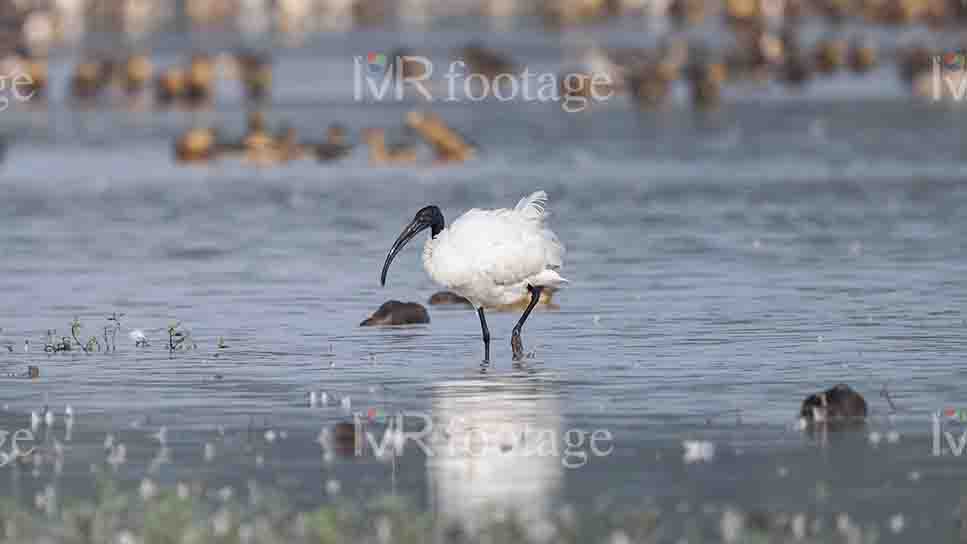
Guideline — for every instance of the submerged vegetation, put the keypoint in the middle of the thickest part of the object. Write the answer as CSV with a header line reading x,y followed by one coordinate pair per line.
x,y
179,338
188,513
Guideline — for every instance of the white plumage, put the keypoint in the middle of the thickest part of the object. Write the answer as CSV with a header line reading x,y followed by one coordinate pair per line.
x,y
491,256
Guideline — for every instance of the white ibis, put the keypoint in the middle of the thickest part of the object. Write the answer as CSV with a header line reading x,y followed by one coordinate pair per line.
x,y
490,257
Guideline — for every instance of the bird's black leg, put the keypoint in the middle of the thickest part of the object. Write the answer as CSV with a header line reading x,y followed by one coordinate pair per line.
x,y
515,344
486,334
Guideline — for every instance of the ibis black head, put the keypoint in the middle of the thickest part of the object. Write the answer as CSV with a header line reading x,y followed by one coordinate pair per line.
x,y
429,217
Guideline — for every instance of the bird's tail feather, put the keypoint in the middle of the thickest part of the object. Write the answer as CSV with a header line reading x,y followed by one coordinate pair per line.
x,y
548,278
533,206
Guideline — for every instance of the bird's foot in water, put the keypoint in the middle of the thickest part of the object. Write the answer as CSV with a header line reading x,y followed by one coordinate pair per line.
x,y
517,346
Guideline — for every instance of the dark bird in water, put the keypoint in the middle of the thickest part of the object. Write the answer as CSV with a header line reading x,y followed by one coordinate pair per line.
x,y
336,146
255,71
706,80
862,55
831,55
345,438
138,71
36,69
408,68
90,77
197,145
382,153
170,86
487,62
395,312
840,404
199,81
448,298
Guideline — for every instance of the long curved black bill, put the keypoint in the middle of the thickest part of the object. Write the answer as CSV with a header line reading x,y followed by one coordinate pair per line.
x,y
411,230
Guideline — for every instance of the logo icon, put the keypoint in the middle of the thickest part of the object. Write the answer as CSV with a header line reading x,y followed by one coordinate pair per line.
x,y
954,61
375,64
375,415
954,414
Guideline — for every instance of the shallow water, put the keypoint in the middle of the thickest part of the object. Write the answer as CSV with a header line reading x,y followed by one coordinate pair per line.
x,y
722,267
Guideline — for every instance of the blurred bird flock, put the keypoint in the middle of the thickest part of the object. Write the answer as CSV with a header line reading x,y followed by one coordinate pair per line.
x,y
705,46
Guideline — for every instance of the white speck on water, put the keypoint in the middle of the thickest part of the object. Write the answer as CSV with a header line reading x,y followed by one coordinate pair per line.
x,y
221,522
756,244
731,525
799,526
914,476
182,490
596,319
893,437
118,456
127,537
698,451
384,530
897,523
49,418
226,493
820,338
209,452
875,438
270,436
347,404
782,472
323,398
333,487
313,399
108,441
148,489
619,537
260,460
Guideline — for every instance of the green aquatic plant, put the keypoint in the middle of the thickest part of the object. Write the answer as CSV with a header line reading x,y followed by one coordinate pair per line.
x,y
56,345
178,337
164,515
190,514
111,331
75,331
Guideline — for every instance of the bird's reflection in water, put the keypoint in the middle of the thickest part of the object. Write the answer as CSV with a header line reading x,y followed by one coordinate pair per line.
x,y
497,451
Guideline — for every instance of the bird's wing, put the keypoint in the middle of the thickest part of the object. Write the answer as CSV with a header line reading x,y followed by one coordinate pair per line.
x,y
506,246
